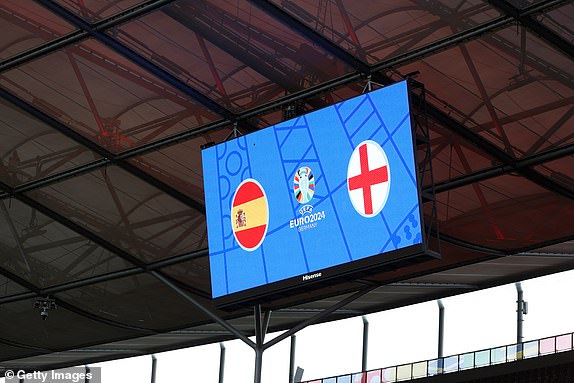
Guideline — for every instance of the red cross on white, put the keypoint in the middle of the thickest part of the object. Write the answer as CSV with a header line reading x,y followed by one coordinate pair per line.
x,y
368,178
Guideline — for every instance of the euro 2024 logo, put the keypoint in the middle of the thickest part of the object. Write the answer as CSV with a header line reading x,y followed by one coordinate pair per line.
x,y
304,190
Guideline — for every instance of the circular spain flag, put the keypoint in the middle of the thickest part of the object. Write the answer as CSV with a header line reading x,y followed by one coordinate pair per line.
x,y
249,214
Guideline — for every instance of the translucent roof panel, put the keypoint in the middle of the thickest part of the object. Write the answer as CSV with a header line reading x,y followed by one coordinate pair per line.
x,y
523,3
453,156
94,10
179,38
127,212
560,20
180,165
521,103
64,328
104,97
13,352
232,51
560,171
46,253
8,287
506,212
140,300
26,25
375,30
30,149
81,212
193,273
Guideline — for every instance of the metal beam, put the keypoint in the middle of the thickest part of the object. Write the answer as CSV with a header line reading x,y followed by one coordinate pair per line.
x,y
65,221
153,368
494,151
309,33
197,304
440,353
507,46
310,92
36,349
79,35
548,35
433,285
292,359
199,21
318,317
72,308
89,281
137,59
109,157
142,331
221,362
482,175
519,312
259,336
365,344
80,230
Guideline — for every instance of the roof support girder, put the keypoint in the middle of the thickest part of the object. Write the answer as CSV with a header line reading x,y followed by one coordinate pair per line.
x,y
548,35
136,58
497,153
70,307
103,278
79,35
309,33
108,157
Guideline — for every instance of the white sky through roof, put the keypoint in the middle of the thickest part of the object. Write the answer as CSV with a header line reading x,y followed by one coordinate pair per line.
x,y
473,321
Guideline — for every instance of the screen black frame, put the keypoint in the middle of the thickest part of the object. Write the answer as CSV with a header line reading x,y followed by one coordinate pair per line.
x,y
344,272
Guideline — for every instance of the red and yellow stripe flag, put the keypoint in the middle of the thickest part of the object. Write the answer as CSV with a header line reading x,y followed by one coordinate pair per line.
x,y
249,214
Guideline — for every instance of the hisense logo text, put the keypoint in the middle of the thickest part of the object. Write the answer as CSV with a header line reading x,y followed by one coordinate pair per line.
x,y
312,276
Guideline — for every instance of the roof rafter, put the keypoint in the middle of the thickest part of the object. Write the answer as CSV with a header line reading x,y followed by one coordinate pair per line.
x,y
499,154
313,91
70,307
88,281
548,35
312,35
107,155
483,175
79,35
137,59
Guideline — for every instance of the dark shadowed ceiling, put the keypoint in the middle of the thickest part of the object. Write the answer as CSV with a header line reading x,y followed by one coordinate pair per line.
x,y
105,105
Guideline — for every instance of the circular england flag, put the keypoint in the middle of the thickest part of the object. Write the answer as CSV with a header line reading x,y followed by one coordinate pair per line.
x,y
368,178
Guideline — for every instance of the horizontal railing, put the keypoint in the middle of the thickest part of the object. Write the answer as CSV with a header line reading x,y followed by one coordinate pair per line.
x,y
460,362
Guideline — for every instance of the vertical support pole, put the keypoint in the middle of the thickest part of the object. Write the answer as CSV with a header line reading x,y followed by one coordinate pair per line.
x,y
365,343
258,364
519,312
88,370
258,344
521,309
153,368
292,360
440,353
221,361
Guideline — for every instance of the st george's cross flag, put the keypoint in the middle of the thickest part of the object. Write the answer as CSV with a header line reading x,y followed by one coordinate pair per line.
x,y
368,178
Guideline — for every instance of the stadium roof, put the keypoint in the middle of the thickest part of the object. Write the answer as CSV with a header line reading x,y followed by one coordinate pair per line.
x,y
105,105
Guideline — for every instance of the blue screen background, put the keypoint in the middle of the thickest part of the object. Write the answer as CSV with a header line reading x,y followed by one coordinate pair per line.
x,y
324,141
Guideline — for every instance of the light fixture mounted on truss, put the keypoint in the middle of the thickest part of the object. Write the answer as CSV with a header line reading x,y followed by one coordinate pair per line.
x,y
44,305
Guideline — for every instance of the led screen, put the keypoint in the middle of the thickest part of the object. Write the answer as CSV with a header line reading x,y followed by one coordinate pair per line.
x,y
300,198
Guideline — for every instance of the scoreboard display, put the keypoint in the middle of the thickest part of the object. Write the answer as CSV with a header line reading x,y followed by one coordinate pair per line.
x,y
316,197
